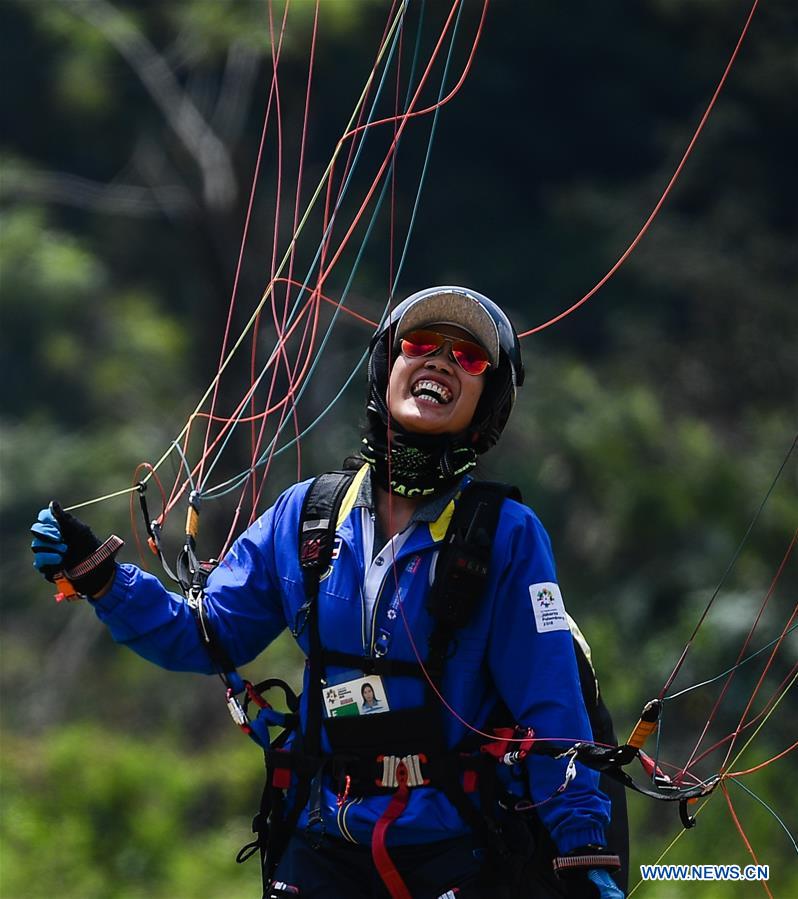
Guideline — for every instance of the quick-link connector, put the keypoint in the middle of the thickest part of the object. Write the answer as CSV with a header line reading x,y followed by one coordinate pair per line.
x,y
236,710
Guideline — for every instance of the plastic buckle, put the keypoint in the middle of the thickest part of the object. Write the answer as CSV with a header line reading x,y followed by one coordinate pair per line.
x,y
390,763
66,589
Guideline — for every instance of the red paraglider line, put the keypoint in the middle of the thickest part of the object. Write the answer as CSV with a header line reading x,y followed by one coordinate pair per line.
x,y
239,263
766,708
647,224
740,830
762,765
275,228
740,655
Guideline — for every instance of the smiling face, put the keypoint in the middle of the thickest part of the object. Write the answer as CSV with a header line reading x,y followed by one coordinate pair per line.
x,y
432,394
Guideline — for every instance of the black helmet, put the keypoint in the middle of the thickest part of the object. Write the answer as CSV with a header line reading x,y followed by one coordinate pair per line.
x,y
479,316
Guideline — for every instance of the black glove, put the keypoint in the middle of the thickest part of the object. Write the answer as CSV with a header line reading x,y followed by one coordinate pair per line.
x,y
585,872
63,543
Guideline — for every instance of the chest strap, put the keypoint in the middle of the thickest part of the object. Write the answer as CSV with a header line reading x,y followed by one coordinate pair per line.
x,y
382,666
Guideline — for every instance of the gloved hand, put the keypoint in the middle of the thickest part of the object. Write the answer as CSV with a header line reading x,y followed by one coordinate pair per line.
x,y
585,873
63,543
604,884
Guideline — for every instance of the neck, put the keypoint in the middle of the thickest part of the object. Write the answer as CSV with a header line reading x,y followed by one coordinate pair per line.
x,y
414,465
394,511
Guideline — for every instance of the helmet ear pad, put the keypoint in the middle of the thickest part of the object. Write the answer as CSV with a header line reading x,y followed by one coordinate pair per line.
x,y
494,406
378,375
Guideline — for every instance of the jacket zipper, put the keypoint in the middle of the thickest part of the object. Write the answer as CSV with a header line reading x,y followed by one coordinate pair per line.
x,y
376,609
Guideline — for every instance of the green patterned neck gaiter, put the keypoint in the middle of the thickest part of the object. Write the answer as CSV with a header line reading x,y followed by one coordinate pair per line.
x,y
418,464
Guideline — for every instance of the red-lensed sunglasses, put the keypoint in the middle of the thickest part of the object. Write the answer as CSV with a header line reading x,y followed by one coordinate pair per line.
x,y
470,356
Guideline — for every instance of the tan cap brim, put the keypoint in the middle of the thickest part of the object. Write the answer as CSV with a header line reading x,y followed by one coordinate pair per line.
x,y
452,306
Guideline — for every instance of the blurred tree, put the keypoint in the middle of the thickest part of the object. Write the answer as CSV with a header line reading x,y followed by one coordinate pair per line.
x,y
651,425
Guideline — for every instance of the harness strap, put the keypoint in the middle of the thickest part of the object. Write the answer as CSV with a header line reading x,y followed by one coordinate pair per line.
x,y
382,666
461,573
316,538
379,852
482,821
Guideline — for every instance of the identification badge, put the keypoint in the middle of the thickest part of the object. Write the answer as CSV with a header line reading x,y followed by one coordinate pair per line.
x,y
361,696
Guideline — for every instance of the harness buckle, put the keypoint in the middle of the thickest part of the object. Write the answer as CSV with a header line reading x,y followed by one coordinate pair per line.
x,y
412,763
236,710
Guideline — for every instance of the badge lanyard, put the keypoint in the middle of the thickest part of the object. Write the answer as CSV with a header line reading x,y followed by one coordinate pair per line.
x,y
384,635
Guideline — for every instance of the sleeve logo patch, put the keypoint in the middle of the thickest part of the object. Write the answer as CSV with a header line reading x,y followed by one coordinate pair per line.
x,y
548,607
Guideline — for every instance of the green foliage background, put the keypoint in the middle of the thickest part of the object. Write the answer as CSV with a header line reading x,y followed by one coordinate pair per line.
x,y
652,422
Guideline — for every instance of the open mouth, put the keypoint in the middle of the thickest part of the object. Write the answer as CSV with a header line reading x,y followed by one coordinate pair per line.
x,y
432,391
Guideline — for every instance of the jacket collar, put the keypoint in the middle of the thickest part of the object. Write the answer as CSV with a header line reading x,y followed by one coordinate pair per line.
x,y
435,512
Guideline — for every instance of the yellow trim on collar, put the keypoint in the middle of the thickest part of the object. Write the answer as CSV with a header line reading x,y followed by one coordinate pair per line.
x,y
438,528
350,496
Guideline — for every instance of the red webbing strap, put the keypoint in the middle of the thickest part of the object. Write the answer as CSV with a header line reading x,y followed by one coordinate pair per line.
x,y
382,860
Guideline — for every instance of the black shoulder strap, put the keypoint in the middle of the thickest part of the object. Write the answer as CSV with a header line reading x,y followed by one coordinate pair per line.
x,y
316,537
317,523
461,572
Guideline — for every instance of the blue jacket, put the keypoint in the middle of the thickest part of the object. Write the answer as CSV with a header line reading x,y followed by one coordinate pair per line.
x,y
518,647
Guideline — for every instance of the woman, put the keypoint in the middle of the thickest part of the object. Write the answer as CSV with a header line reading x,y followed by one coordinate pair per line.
x,y
370,702
443,372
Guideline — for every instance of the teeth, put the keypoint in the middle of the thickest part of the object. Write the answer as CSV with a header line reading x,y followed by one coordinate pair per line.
x,y
432,390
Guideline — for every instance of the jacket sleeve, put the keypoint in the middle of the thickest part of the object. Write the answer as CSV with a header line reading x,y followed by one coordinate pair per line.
x,y
243,602
532,661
